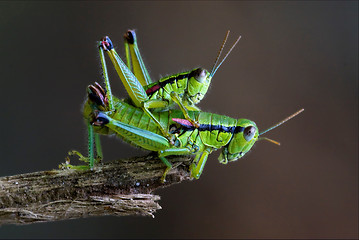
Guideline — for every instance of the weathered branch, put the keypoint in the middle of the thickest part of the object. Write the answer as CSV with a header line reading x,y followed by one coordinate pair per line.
x,y
123,187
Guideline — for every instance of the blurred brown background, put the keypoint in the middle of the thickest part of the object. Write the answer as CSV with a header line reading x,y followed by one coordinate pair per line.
x,y
291,55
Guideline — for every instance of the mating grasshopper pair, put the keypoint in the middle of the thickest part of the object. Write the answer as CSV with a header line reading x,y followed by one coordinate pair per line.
x,y
147,119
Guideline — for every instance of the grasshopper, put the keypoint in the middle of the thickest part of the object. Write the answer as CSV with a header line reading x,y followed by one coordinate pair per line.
x,y
135,126
186,89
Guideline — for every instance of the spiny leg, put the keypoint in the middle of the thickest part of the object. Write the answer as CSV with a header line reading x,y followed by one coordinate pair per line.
x,y
198,163
177,100
143,138
168,152
168,168
134,59
140,137
157,104
105,76
93,138
133,86
131,83
99,156
90,145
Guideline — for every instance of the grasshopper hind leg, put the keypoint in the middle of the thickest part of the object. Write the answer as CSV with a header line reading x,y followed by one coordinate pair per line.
x,y
134,58
134,80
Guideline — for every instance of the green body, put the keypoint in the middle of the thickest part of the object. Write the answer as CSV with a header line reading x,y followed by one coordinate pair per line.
x,y
190,87
185,89
177,132
134,126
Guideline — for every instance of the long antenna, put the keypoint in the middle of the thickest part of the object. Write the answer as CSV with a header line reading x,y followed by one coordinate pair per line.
x,y
230,50
269,140
220,50
283,121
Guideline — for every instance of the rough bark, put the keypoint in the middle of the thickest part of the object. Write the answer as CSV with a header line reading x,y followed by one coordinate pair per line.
x,y
123,187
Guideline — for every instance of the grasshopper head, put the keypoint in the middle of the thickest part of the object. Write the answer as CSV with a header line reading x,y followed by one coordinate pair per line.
x,y
198,83
244,138
241,142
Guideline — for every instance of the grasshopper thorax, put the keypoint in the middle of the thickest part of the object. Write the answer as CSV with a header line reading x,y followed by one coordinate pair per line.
x,y
198,83
241,142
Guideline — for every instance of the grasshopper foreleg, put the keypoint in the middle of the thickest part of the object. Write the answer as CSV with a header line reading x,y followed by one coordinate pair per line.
x,y
198,163
93,142
177,100
168,152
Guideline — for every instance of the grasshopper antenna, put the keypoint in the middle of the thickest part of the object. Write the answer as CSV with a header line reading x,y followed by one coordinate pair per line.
x,y
215,68
280,123
220,51
269,140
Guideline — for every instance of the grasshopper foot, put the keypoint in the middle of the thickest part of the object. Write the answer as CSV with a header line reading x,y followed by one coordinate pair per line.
x,y
67,165
163,178
194,173
168,168
81,157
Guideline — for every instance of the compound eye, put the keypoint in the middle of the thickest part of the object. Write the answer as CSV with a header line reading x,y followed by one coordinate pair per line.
x,y
199,74
249,132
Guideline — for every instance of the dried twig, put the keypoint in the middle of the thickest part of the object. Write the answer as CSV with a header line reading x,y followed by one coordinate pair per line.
x,y
123,187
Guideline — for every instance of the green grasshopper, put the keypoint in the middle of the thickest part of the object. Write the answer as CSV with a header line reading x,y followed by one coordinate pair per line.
x,y
133,125
186,89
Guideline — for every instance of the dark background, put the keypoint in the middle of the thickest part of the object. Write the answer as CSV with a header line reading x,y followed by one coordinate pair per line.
x,y
292,55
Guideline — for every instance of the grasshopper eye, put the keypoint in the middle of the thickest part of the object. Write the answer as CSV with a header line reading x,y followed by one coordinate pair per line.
x,y
199,74
248,133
